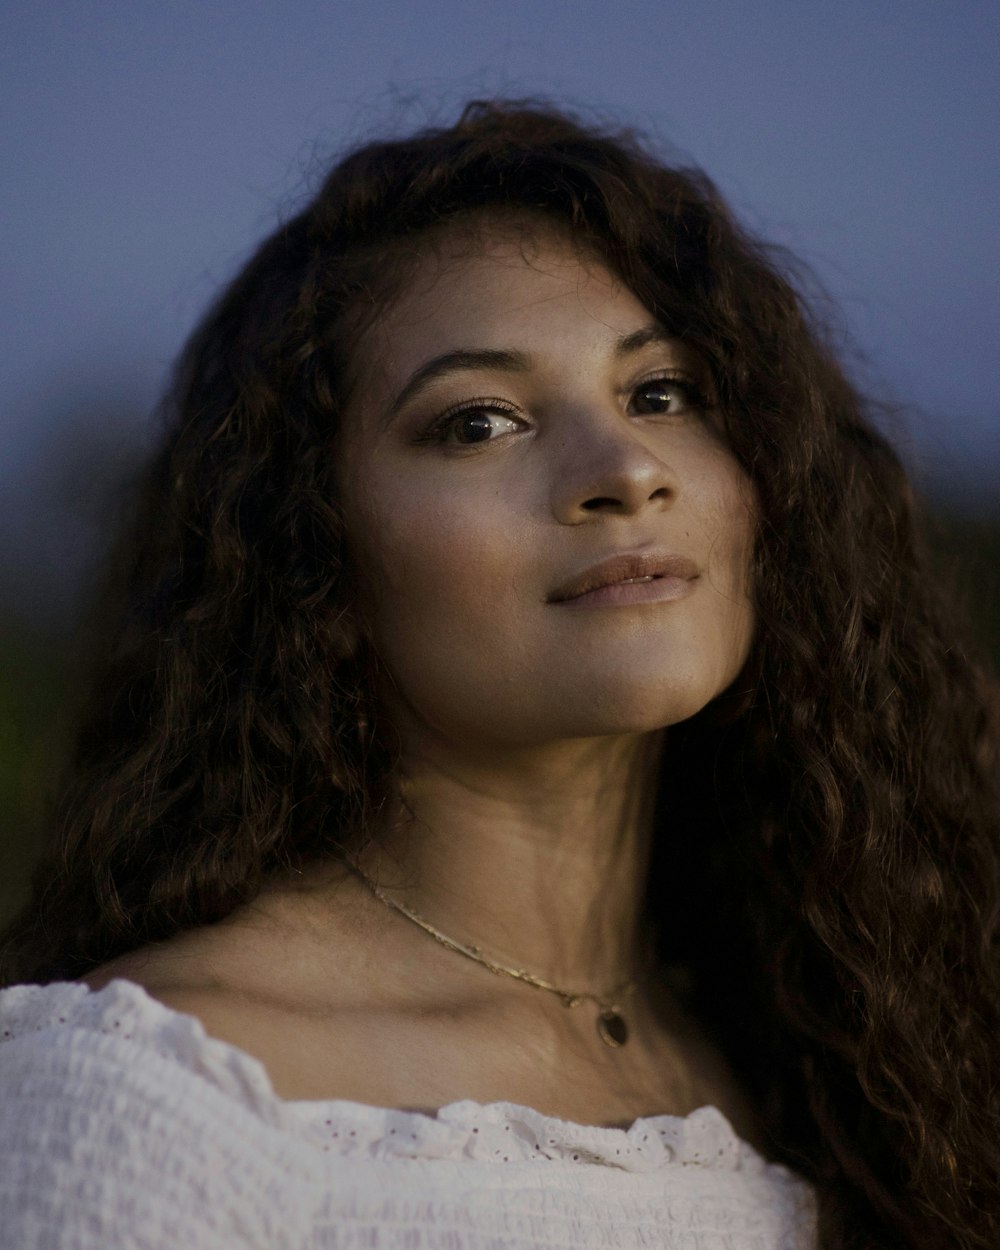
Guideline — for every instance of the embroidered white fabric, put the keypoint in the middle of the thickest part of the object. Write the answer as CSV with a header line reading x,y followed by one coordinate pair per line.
x,y
124,1125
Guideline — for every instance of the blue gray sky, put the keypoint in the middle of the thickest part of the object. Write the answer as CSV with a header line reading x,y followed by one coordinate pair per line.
x,y
145,146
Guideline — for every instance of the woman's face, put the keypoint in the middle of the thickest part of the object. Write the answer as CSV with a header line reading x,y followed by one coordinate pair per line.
x,y
521,430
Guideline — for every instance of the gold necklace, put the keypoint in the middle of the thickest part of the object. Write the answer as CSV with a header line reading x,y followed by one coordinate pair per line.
x,y
611,1026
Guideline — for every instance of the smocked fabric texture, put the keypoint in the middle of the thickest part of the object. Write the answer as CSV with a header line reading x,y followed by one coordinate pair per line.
x,y
124,1126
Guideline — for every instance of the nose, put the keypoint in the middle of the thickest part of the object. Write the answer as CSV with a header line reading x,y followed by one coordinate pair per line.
x,y
609,469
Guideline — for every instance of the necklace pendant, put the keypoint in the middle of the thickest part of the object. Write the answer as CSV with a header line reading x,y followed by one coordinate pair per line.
x,y
611,1028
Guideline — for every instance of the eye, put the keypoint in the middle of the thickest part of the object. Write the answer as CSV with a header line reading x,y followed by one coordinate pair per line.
x,y
667,396
481,422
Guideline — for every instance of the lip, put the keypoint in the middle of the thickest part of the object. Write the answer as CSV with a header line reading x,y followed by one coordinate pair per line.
x,y
614,580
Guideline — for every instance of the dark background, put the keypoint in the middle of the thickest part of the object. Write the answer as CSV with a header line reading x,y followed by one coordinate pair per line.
x,y
144,148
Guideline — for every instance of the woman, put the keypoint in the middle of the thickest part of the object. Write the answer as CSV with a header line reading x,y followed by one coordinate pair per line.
x,y
534,792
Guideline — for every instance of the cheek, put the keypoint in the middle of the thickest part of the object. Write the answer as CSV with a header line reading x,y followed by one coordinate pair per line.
x,y
742,528
438,572
446,611
736,511
728,514
721,503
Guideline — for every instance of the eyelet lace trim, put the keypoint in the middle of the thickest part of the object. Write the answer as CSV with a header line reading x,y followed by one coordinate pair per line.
x,y
497,1131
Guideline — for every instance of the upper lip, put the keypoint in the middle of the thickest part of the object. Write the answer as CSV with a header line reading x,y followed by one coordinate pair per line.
x,y
624,567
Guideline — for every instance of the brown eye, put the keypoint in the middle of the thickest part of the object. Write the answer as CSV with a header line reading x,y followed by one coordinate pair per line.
x,y
479,423
666,396
473,427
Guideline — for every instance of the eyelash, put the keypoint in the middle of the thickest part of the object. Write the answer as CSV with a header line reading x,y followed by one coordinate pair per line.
x,y
441,427
694,400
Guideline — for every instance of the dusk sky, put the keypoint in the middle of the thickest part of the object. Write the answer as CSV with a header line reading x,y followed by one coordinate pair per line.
x,y
147,146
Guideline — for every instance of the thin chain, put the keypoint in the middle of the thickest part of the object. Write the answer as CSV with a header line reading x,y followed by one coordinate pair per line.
x,y
570,998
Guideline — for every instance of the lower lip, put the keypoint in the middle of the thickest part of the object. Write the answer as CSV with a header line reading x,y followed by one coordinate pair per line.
x,y
621,594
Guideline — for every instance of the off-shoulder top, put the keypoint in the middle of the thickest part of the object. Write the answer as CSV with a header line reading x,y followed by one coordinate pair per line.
x,y
124,1126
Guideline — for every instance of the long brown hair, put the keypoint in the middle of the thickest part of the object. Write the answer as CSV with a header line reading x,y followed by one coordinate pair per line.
x,y
838,896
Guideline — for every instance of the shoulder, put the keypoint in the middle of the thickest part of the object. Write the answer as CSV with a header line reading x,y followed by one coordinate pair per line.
x,y
289,981
285,947
70,1038
182,981
111,1097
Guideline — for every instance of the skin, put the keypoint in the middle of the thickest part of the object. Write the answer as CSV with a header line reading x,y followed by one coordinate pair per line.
x,y
531,730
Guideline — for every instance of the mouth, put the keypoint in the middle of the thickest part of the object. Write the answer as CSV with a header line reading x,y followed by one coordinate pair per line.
x,y
630,577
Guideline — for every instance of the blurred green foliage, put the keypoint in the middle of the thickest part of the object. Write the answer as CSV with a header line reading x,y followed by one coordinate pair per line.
x,y
32,685
36,685
968,553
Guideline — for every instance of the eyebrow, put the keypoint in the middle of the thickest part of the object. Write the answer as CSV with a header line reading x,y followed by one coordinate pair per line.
x,y
466,359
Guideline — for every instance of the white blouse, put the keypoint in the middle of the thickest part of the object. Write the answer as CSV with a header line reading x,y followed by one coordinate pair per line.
x,y
124,1126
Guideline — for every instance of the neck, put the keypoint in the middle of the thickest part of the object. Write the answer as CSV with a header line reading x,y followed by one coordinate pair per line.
x,y
539,859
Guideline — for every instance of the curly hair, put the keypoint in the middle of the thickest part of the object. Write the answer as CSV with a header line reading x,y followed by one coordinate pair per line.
x,y
837,900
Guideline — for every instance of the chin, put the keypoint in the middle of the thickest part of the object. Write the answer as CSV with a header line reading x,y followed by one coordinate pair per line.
x,y
628,711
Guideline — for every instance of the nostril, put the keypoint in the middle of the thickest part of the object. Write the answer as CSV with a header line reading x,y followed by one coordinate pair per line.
x,y
601,501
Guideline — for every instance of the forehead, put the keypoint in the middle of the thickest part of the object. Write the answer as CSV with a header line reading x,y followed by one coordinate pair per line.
x,y
520,284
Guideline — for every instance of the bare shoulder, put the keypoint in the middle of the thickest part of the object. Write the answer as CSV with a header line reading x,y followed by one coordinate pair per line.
x,y
279,980
278,946
191,974
337,1008
177,978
